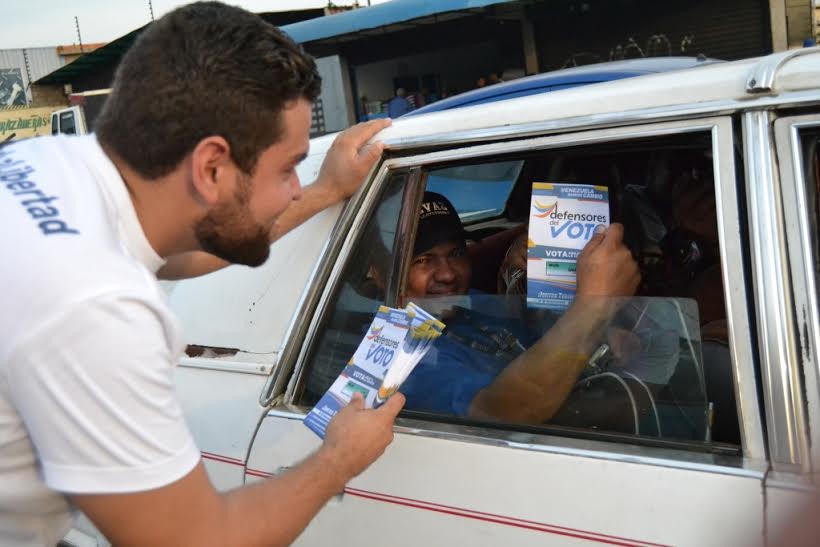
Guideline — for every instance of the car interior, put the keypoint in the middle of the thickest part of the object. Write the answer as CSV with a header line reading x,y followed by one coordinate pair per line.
x,y
662,190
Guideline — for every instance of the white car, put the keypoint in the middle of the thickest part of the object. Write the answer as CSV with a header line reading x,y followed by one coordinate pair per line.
x,y
715,173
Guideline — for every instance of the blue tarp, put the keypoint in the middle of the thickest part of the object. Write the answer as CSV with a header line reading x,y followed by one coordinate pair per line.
x,y
380,15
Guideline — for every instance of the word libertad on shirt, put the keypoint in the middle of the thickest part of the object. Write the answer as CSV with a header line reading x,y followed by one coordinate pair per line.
x,y
15,176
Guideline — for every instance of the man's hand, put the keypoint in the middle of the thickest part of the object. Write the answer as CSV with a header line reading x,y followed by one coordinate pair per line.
x,y
356,437
350,158
606,267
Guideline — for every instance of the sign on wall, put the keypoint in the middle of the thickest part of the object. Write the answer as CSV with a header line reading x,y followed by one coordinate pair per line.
x,y
20,123
12,90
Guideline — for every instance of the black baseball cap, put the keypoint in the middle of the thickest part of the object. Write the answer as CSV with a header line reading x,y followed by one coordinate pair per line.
x,y
438,223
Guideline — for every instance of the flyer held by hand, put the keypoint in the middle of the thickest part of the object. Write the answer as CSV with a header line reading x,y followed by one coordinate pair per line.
x,y
396,341
563,218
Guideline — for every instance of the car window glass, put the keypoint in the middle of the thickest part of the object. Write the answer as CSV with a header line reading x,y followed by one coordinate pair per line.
x,y
657,366
478,192
810,143
360,293
67,125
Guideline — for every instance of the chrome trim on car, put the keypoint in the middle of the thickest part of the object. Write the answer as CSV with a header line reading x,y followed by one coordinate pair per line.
x,y
607,120
802,259
557,141
734,287
772,286
583,448
763,77
262,368
411,201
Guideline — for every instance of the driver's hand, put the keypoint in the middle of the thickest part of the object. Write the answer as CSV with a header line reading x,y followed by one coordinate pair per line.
x,y
517,254
606,267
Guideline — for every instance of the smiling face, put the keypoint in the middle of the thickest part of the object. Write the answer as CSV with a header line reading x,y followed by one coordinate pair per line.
x,y
238,229
442,270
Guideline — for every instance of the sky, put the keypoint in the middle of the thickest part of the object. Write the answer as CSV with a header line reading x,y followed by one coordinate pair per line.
x,y
39,23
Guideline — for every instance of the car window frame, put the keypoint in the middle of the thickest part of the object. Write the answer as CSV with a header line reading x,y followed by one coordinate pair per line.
x,y
803,365
740,339
357,214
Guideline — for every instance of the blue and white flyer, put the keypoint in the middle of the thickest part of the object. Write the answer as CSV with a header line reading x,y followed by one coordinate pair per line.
x,y
394,344
563,218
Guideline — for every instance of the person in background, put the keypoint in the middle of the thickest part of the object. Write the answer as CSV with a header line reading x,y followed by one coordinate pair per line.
x,y
398,105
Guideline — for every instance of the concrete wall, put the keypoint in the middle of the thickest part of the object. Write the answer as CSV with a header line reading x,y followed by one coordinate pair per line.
x,y
336,96
42,95
799,19
792,22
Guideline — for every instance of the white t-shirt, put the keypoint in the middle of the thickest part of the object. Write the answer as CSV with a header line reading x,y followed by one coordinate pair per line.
x,y
87,343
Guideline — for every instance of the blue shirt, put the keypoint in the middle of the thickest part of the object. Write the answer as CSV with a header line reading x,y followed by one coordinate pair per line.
x,y
398,106
474,348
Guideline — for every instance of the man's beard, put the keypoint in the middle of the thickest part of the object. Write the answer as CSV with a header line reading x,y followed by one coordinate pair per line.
x,y
228,232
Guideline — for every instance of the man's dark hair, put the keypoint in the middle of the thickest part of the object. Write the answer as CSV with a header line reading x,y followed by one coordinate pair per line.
x,y
201,70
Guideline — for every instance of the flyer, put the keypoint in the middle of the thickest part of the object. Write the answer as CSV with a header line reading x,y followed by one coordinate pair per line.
x,y
395,343
563,218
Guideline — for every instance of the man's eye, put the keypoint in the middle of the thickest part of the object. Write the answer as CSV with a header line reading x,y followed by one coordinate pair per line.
x,y
456,253
420,261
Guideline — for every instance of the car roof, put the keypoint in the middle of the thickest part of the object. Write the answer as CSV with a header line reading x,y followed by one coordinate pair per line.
x,y
717,87
575,76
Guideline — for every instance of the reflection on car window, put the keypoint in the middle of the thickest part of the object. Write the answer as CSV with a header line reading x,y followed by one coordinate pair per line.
x,y
361,293
642,375
478,192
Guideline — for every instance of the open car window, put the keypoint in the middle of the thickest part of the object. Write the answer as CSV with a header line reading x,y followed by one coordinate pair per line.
x,y
362,290
654,365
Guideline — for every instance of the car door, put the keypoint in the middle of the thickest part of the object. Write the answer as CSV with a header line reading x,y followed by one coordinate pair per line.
x,y
791,206
689,472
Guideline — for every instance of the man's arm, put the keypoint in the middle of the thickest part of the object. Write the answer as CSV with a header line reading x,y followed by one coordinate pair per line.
x,y
533,387
272,512
347,163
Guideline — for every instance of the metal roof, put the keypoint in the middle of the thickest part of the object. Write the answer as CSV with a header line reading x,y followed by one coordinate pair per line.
x,y
33,63
112,52
389,14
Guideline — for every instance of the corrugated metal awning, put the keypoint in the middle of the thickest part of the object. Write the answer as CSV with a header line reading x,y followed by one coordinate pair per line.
x,y
84,64
113,51
391,15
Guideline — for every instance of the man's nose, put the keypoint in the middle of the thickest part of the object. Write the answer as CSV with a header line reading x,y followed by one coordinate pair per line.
x,y
444,272
296,190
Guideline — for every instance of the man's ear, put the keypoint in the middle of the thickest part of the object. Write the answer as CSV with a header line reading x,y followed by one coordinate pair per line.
x,y
211,169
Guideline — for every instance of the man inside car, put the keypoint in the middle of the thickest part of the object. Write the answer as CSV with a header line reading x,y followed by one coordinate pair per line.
x,y
492,367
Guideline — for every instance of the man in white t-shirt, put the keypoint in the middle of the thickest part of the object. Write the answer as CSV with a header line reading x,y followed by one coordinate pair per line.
x,y
192,167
